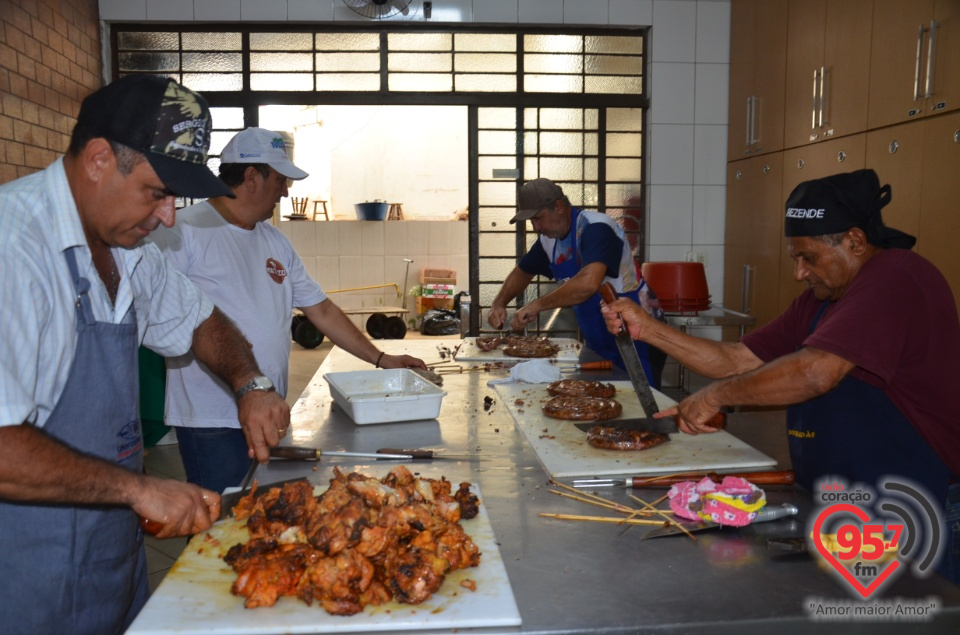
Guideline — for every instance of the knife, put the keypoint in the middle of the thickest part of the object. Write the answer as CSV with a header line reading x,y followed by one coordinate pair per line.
x,y
630,358
783,477
300,453
667,425
230,500
424,454
764,515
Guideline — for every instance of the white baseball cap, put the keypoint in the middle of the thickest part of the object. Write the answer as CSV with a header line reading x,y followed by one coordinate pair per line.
x,y
258,145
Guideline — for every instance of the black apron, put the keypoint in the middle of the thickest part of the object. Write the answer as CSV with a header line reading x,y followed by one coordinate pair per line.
x,y
855,431
82,569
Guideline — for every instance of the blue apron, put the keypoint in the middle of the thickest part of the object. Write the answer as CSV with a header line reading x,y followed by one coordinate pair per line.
x,y
82,569
589,318
855,431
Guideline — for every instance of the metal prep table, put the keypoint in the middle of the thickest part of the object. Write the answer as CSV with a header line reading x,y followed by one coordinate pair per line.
x,y
576,577
716,315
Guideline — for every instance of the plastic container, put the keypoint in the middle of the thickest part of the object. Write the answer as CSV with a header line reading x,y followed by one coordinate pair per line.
x,y
680,286
382,396
371,211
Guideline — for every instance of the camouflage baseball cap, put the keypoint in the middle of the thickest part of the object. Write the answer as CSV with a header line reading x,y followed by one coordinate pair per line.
x,y
169,123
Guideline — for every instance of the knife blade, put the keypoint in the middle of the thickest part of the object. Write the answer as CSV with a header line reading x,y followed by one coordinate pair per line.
x,y
764,515
631,360
300,453
229,500
667,425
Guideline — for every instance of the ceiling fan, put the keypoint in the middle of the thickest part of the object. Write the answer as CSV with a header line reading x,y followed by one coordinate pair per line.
x,y
379,9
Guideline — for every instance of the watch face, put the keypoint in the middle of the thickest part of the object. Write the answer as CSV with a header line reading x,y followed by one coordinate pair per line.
x,y
263,383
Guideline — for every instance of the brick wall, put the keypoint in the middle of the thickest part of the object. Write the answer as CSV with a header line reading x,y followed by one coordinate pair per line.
x,y
49,61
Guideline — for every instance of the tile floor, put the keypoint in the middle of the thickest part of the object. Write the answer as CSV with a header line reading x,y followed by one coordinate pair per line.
x,y
164,458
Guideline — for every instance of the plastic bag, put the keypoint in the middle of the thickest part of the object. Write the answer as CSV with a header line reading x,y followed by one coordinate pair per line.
x,y
440,322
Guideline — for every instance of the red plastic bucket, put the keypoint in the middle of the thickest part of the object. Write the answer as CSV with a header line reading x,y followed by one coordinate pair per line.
x,y
680,286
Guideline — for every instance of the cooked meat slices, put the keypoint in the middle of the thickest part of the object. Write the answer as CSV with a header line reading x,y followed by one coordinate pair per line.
x,y
529,347
582,388
582,408
610,438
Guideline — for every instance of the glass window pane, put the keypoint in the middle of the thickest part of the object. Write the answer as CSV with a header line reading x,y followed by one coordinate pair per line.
x,y
281,62
622,194
591,171
531,118
531,143
348,61
213,81
614,44
348,42
561,143
420,41
591,119
227,117
486,83
127,41
553,83
531,168
149,62
552,63
281,81
219,138
496,142
424,62
559,169
498,269
497,118
487,164
213,62
212,42
420,82
485,63
624,119
281,41
498,193
485,42
614,85
348,81
497,244
497,219
610,65
561,118
590,146
624,170
624,144
553,43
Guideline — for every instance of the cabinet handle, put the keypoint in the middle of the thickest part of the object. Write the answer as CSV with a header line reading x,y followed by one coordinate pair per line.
x,y
749,130
931,54
813,108
916,73
754,125
745,288
823,96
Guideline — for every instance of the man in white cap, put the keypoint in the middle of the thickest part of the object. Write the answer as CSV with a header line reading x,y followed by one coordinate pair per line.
x,y
228,247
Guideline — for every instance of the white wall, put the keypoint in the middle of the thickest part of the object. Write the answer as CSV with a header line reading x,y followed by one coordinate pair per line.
x,y
687,73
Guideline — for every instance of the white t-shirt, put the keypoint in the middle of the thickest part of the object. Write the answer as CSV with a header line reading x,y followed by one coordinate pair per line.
x,y
256,278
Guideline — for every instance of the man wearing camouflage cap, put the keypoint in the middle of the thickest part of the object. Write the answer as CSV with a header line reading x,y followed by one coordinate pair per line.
x,y
81,293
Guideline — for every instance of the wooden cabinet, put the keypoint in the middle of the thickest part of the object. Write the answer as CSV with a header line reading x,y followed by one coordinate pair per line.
x,y
940,197
896,155
754,234
758,55
814,162
828,57
915,67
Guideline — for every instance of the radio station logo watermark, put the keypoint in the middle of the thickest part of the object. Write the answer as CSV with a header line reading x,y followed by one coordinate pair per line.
x,y
867,538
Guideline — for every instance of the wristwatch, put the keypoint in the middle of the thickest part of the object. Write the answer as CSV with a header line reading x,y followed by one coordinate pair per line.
x,y
259,382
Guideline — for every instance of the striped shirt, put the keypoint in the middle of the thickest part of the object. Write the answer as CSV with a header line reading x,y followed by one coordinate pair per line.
x,y
38,223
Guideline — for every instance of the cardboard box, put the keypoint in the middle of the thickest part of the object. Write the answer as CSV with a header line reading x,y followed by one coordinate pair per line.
x,y
437,291
425,304
437,276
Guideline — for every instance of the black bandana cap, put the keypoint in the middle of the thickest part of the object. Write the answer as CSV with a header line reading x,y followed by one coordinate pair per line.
x,y
834,204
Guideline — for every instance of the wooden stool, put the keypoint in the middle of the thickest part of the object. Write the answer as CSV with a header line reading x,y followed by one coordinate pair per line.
x,y
323,211
396,211
299,206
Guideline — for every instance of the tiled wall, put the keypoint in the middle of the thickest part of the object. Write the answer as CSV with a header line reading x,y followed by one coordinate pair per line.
x,y
49,61
351,254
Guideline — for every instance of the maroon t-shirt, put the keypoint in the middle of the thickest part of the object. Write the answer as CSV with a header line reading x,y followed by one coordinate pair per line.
x,y
898,323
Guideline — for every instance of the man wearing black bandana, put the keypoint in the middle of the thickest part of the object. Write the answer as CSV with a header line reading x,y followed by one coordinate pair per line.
x,y
865,358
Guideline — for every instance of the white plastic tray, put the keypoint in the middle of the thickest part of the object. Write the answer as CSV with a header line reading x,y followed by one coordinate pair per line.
x,y
382,396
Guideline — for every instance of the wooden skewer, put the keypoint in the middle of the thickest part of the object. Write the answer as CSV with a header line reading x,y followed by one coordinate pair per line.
x,y
582,493
602,519
669,520
606,504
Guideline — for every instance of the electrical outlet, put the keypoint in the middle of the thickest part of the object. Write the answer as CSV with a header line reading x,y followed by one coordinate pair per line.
x,y
697,256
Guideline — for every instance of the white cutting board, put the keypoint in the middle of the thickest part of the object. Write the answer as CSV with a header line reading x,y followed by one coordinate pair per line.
x,y
565,453
468,351
195,597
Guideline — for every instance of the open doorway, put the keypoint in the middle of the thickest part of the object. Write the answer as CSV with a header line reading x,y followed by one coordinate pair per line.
x,y
412,155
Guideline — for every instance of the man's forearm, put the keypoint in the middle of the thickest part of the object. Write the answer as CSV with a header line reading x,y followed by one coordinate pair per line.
x,y
335,324
706,357
220,345
517,280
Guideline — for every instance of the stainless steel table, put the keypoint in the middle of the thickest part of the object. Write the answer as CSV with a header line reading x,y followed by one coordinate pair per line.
x,y
716,315
575,577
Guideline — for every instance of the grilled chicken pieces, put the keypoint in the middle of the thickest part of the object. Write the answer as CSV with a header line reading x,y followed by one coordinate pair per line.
x,y
363,541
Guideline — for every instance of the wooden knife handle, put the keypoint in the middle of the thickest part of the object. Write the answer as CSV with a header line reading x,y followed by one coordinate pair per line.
x,y
784,477
151,527
417,454
295,453
604,365
718,421
608,293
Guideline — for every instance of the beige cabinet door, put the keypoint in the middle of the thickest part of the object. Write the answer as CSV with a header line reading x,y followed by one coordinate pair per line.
x,y
940,196
753,237
828,54
743,60
896,155
834,156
